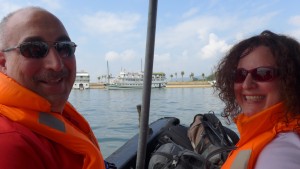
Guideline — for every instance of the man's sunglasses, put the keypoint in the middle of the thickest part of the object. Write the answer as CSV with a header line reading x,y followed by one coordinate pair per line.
x,y
260,74
40,49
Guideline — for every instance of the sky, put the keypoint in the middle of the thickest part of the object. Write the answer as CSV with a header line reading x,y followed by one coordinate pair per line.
x,y
191,35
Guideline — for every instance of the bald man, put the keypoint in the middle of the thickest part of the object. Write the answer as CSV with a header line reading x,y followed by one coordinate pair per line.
x,y
38,126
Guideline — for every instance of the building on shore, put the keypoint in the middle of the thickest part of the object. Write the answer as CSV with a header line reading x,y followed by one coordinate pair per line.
x,y
82,81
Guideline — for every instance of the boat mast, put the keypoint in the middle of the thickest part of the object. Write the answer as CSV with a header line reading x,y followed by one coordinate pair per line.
x,y
149,56
107,72
141,65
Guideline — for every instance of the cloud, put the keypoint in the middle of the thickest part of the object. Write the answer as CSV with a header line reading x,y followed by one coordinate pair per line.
x,y
295,34
191,32
54,4
105,22
295,20
126,55
176,35
205,39
165,57
7,7
111,56
190,13
214,47
241,27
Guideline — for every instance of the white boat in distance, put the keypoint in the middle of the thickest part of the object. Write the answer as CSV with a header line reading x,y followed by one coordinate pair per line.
x,y
134,80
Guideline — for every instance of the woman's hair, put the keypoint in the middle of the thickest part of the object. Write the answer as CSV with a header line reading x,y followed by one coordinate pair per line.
x,y
286,52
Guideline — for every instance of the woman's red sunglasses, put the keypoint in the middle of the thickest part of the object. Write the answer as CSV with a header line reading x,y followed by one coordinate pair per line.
x,y
259,74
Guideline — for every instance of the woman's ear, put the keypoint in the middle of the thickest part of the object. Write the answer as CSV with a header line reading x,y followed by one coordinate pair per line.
x,y
2,63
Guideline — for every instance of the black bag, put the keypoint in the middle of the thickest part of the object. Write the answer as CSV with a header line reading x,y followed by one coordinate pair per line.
x,y
211,144
211,139
173,156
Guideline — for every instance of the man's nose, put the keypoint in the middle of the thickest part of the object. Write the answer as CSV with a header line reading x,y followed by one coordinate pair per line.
x,y
53,60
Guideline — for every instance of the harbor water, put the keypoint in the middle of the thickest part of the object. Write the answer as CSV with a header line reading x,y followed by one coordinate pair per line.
x,y
113,115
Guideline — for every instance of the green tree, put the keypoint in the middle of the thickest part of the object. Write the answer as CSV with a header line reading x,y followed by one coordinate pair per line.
x,y
176,76
171,76
203,76
192,76
211,77
182,73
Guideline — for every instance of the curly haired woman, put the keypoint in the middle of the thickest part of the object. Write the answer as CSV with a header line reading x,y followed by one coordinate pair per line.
x,y
259,82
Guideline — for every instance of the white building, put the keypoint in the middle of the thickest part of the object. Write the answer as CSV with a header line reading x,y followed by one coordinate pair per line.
x,y
82,81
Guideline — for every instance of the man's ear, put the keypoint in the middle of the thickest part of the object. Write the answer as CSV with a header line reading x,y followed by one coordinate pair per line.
x,y
2,63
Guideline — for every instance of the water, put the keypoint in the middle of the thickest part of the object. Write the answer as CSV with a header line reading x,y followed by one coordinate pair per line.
x,y
113,115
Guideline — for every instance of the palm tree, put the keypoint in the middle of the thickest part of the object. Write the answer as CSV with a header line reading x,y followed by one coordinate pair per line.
x,y
176,76
192,76
203,76
171,76
182,73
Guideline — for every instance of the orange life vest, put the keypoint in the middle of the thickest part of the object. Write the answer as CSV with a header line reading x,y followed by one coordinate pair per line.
x,y
255,133
29,109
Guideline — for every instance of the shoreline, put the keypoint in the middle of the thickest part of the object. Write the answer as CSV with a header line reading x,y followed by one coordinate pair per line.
x,y
192,84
